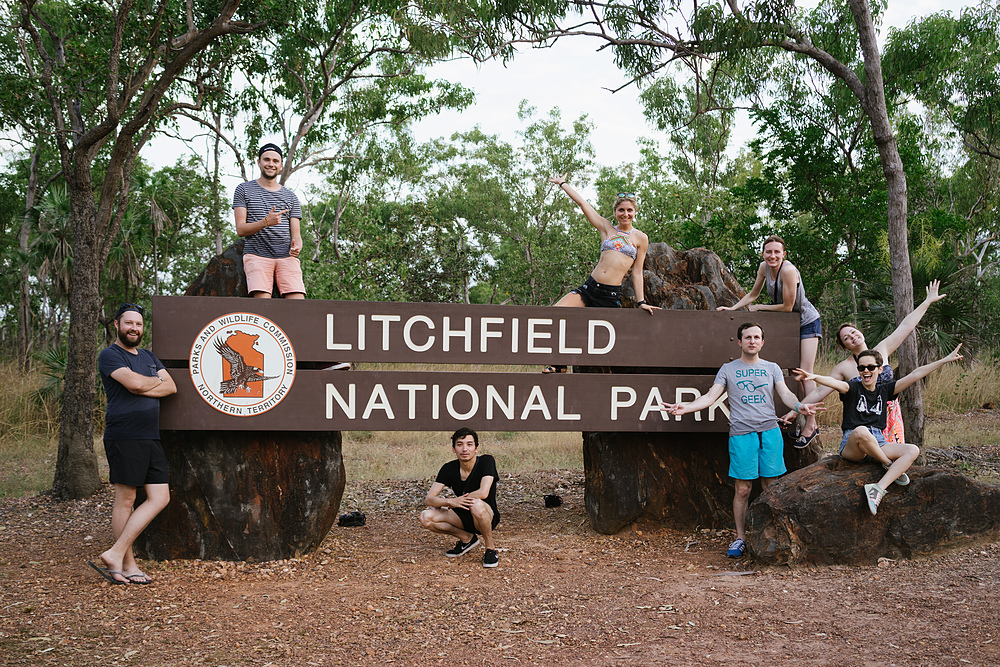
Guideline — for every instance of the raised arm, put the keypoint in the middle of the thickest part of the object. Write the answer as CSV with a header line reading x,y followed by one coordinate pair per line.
x,y
752,295
926,369
595,218
789,398
825,380
910,322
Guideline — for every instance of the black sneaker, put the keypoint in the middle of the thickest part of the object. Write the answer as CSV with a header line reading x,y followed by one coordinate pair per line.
x,y
490,558
461,548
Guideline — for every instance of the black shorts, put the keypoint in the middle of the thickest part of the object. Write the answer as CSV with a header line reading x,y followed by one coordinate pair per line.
x,y
596,295
469,524
136,462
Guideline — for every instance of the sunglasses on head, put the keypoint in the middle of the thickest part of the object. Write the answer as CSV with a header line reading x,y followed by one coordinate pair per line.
x,y
626,195
868,367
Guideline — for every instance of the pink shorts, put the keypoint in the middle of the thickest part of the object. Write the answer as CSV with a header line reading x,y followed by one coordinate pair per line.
x,y
263,272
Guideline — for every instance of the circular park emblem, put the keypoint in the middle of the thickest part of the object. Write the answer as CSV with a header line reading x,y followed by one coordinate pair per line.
x,y
242,364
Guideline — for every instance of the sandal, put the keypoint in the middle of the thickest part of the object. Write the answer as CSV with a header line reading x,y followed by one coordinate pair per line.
x,y
554,369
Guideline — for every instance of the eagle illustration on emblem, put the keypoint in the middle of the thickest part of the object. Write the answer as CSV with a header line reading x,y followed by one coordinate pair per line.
x,y
241,372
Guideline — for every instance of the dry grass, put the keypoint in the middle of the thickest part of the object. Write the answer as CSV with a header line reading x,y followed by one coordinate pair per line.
x,y
374,455
28,430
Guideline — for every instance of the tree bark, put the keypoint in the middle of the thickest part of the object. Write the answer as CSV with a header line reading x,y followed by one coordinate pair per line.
x,y
899,251
24,299
76,473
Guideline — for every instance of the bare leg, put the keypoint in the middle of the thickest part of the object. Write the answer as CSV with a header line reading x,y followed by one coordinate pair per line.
x,y
127,524
808,348
445,522
262,295
740,503
902,456
482,514
571,300
293,295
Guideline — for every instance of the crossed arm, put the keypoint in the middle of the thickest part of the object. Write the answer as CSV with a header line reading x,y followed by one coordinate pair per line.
x,y
143,385
434,498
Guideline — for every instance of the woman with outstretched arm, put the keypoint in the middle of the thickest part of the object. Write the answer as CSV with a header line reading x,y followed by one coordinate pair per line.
x,y
623,250
851,339
865,400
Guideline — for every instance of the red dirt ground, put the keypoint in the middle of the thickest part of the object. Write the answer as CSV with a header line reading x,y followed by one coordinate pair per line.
x,y
562,595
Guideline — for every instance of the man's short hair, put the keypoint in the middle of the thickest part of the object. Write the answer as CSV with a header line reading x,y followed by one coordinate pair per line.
x,y
270,147
746,325
874,354
461,433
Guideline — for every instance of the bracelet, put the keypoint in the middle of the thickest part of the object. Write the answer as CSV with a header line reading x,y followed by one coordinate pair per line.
x,y
641,303
796,408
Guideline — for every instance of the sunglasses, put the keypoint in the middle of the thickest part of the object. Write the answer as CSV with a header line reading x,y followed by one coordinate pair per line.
x,y
869,367
626,195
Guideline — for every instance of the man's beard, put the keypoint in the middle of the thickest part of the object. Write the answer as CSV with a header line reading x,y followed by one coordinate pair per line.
x,y
122,338
269,177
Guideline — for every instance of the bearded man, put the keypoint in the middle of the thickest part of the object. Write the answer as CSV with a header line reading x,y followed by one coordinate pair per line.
x,y
134,381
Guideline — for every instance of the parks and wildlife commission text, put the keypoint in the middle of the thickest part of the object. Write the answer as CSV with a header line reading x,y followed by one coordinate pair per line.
x,y
259,365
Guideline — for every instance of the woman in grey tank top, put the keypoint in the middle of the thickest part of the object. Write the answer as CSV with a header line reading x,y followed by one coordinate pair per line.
x,y
784,287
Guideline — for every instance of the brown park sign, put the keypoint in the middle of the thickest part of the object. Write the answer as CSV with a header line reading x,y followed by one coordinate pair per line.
x,y
256,364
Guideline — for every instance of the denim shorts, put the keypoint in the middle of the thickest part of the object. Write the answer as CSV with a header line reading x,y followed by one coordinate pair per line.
x,y
811,330
754,455
874,430
596,295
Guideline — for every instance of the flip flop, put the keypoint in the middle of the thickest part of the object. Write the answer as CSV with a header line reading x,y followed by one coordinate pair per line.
x,y
132,578
554,369
108,574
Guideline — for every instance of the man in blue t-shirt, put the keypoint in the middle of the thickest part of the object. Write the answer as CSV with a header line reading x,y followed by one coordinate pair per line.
x,y
134,381
267,215
756,448
473,511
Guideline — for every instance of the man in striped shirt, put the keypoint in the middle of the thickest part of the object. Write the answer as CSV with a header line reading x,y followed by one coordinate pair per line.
x,y
267,216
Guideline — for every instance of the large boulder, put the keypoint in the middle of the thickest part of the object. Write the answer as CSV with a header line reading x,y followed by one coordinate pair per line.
x,y
246,495
677,479
819,515
693,279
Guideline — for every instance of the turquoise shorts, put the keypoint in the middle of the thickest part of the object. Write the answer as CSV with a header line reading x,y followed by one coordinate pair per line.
x,y
754,455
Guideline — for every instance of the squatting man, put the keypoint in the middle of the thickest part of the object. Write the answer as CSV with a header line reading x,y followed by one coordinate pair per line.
x,y
473,511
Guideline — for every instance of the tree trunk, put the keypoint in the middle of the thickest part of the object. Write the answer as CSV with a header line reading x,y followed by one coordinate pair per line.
x,y
899,252
24,299
76,473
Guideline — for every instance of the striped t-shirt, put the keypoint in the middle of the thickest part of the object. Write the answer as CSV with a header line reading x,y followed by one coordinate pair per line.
x,y
274,242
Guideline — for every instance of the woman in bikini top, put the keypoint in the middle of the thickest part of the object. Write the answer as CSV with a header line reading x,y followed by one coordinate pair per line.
x,y
623,251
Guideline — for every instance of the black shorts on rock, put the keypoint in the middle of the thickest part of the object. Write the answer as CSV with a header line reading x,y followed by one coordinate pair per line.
x,y
136,462
596,295
469,524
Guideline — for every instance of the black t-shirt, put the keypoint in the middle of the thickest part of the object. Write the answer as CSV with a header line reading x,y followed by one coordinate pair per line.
x,y
866,408
129,416
451,476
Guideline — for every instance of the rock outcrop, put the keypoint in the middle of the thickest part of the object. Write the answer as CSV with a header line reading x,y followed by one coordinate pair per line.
x,y
818,515
246,495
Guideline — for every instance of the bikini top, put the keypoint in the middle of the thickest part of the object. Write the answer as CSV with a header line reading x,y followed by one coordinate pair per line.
x,y
620,241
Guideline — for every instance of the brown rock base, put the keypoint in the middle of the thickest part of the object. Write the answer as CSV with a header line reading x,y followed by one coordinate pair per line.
x,y
246,495
819,515
676,480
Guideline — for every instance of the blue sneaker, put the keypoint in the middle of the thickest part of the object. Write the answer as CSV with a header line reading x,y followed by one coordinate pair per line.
x,y
737,549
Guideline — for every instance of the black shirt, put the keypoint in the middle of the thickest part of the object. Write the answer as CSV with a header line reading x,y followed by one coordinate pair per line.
x,y
451,476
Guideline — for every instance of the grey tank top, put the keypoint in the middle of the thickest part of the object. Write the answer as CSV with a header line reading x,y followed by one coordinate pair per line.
x,y
802,305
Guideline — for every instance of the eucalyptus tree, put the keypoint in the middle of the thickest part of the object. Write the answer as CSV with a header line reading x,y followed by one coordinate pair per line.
x,y
108,76
647,36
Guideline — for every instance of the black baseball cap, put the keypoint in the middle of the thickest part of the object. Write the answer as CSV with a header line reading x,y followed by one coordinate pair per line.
x,y
270,147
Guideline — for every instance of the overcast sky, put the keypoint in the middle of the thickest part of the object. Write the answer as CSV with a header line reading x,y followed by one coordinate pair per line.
x,y
572,75
577,78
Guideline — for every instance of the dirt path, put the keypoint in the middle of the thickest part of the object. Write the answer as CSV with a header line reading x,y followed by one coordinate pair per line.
x,y
563,595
